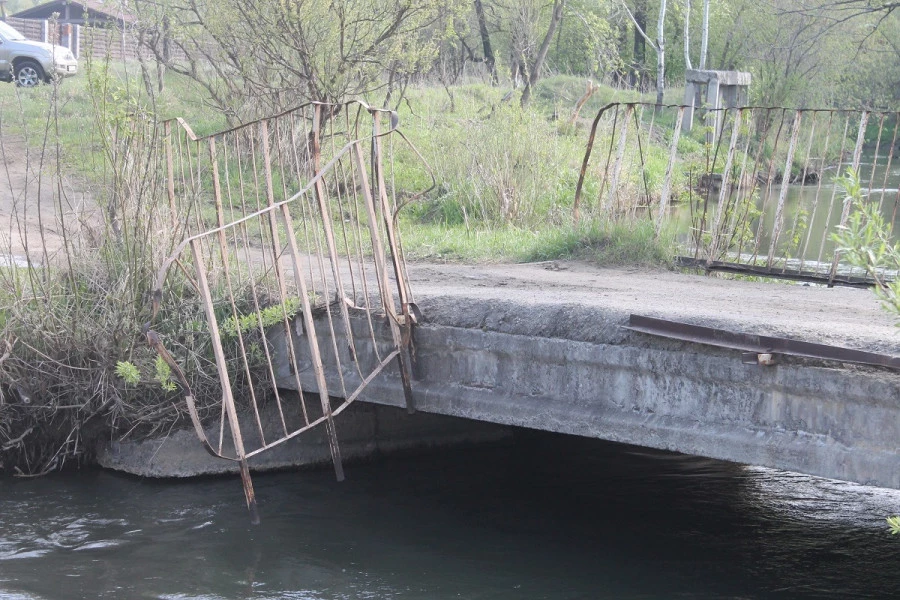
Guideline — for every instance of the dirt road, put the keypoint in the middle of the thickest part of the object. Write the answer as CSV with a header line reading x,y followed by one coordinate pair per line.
x,y
35,204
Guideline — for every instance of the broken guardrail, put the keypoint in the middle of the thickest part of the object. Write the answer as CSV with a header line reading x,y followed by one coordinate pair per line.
x,y
287,217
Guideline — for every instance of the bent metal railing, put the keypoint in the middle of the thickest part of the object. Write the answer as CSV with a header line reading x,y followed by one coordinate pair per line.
x,y
276,237
752,190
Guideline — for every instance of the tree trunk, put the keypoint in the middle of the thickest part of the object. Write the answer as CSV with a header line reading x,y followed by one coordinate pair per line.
x,y
661,53
489,59
166,55
558,8
704,35
687,34
639,53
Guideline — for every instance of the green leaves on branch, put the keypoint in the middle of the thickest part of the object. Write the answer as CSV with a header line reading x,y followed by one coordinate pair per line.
x,y
266,317
894,524
129,373
865,241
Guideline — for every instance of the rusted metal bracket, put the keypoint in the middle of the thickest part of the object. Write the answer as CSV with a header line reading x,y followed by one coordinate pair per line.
x,y
758,345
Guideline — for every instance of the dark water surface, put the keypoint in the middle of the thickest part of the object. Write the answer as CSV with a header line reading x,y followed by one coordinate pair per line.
x,y
542,517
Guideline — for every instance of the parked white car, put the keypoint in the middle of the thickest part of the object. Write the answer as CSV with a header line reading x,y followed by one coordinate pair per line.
x,y
30,63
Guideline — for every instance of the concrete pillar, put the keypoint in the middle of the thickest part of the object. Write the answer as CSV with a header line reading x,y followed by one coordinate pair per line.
x,y
713,102
690,101
729,96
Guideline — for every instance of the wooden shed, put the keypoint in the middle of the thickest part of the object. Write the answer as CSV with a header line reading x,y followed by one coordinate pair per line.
x,y
81,25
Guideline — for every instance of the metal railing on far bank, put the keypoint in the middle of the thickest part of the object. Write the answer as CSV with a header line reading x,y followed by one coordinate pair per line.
x,y
753,190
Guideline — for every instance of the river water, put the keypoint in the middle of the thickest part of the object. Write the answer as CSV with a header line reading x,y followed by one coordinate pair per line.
x,y
543,516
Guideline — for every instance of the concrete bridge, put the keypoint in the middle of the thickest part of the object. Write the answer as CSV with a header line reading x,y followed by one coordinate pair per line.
x,y
543,346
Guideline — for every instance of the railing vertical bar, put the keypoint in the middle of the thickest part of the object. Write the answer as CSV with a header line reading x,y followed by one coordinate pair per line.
x,y
725,189
834,190
357,185
579,187
890,160
663,212
276,251
313,342
325,214
785,183
804,173
388,216
611,199
223,249
875,155
818,196
741,197
845,211
224,380
380,270
770,178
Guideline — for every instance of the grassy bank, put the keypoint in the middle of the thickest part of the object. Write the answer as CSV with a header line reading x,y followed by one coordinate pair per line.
x,y
605,244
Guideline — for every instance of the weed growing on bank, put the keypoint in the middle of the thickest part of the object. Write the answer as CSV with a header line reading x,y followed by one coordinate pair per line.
x,y
88,229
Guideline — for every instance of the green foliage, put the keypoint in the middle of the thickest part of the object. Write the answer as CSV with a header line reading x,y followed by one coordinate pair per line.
x,y
164,374
604,243
271,315
865,241
128,372
894,524
588,43
495,164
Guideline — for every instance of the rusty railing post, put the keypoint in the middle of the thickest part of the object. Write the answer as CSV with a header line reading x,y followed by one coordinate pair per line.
x,y
224,379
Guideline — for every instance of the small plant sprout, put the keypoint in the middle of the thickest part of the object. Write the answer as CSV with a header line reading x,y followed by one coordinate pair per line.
x,y
127,372
164,375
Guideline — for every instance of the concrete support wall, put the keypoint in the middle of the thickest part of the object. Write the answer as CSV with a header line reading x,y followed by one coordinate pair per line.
x,y
573,370
365,431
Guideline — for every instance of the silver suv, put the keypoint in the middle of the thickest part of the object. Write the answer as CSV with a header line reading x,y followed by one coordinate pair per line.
x,y
29,63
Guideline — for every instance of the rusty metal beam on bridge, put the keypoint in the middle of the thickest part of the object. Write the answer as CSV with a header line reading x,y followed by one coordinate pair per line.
x,y
757,344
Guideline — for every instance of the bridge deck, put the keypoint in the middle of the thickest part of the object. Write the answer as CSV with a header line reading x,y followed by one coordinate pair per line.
x,y
543,347
838,316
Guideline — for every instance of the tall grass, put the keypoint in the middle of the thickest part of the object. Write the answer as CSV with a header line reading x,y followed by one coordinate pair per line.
x,y
88,221
494,161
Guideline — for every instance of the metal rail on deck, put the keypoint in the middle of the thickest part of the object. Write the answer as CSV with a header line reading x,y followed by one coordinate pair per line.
x,y
755,343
